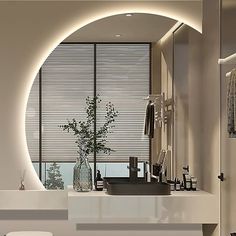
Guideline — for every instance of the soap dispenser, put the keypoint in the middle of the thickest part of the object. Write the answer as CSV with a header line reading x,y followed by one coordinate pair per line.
x,y
98,181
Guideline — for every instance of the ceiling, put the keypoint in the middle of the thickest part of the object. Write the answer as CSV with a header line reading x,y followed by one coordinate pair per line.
x,y
135,28
99,0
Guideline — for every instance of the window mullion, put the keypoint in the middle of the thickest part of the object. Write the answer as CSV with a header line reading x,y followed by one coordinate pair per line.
x,y
95,110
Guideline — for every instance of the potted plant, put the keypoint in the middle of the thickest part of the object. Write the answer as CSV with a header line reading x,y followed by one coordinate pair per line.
x,y
89,140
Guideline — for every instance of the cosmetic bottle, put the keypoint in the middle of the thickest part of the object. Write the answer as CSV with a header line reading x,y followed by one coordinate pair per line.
x,y
177,185
185,172
194,183
182,186
99,182
188,182
172,185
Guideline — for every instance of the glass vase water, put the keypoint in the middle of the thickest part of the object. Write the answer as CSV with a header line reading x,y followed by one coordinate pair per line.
x,y
82,176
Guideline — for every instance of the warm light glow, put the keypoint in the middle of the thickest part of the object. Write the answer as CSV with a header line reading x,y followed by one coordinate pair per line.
x,y
54,42
171,30
129,14
117,35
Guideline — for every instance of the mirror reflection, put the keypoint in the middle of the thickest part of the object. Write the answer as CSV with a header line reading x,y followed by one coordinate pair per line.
x,y
129,67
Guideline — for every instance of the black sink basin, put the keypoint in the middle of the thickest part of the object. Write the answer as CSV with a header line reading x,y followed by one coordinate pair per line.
x,y
123,186
119,180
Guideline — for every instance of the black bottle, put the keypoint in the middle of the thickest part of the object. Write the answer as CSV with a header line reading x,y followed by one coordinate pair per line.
x,y
185,172
99,181
182,186
177,185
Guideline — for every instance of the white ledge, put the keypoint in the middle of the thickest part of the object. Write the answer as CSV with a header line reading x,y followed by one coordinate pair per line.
x,y
33,200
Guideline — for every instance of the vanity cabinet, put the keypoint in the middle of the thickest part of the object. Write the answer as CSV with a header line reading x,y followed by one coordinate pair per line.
x,y
177,208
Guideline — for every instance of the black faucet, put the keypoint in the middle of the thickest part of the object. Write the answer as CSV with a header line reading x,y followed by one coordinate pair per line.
x,y
133,169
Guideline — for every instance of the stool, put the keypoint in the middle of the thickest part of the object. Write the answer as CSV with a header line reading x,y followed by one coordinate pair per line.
x,y
29,233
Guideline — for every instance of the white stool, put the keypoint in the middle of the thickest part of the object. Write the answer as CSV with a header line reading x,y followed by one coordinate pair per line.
x,y
29,233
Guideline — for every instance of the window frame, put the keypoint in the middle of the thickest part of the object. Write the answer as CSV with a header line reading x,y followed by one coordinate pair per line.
x,y
41,162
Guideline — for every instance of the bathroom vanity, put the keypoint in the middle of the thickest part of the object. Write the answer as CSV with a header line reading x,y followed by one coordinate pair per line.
x,y
196,207
177,208
181,213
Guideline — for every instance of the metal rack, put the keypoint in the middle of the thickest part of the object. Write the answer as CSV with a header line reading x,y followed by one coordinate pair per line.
x,y
228,60
161,104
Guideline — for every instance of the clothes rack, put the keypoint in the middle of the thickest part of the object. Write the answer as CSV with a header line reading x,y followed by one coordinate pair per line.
x,y
161,105
228,60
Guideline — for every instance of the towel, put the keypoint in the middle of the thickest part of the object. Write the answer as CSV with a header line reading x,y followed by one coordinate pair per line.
x,y
231,104
149,120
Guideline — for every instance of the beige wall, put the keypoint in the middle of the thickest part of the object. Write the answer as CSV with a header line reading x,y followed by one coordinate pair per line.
x,y
64,228
210,132
228,145
166,88
181,71
196,77
30,31
187,94
156,89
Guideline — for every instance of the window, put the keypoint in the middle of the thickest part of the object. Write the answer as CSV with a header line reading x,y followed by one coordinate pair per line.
x,y
119,73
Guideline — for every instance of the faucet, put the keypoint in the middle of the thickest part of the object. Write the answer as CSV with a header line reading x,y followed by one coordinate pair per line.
x,y
161,177
147,173
161,162
133,169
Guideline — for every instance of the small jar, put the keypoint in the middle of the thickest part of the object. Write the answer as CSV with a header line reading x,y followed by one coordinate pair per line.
x,y
172,185
188,182
194,183
177,185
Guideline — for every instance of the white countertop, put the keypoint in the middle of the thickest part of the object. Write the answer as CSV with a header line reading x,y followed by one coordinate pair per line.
x,y
184,207
72,193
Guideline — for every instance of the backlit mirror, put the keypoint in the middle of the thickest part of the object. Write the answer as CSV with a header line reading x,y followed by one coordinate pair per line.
x,y
123,64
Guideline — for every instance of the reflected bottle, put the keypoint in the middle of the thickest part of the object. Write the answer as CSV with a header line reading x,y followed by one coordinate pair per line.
x,y
82,177
99,182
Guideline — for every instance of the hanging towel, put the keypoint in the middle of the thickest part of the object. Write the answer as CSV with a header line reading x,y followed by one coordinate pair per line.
x,y
231,104
149,120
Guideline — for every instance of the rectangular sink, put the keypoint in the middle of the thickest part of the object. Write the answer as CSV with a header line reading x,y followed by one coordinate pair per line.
x,y
119,180
123,186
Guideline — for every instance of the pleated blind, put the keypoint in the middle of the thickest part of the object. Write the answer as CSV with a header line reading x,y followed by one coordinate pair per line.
x,y
123,79
68,78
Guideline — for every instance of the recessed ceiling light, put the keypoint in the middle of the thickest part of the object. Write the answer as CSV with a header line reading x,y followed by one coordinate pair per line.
x,y
129,14
117,35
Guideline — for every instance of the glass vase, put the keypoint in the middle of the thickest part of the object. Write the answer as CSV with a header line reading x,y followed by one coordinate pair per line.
x,y
82,176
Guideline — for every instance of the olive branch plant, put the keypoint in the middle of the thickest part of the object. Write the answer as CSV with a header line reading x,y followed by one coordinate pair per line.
x,y
89,140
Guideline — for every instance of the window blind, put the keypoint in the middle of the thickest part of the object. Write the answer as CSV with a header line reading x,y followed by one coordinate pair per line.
x,y
123,79
67,79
